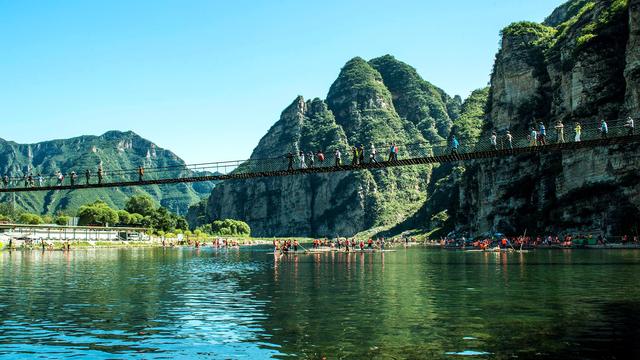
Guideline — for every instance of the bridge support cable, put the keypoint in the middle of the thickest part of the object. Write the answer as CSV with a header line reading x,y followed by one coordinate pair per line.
x,y
416,154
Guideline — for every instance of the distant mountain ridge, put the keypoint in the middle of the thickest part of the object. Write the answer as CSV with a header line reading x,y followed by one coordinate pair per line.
x,y
116,151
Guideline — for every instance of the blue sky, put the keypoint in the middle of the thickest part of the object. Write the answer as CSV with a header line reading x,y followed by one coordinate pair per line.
x,y
207,79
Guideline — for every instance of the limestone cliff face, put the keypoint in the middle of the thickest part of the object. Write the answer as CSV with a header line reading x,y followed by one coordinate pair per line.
x,y
359,110
587,68
310,204
632,70
518,83
583,69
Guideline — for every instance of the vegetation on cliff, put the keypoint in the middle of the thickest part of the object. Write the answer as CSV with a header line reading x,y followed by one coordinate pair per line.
x,y
473,116
429,108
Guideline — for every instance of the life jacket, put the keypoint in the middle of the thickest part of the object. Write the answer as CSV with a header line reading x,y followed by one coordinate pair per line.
x,y
321,157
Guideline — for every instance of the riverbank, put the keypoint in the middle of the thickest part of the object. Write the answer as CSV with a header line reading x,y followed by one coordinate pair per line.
x,y
15,244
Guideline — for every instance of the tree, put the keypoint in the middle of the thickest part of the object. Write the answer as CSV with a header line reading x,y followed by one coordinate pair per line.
x,y
97,213
141,204
181,222
61,220
30,219
124,217
9,211
229,227
136,219
440,218
162,219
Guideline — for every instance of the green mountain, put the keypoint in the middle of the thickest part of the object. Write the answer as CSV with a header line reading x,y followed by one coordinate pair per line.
x,y
116,151
381,101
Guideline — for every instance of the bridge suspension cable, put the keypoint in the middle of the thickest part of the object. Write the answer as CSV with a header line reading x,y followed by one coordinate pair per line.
x,y
409,154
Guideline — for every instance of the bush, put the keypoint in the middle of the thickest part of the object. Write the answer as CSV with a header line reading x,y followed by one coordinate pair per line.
x,y
124,217
97,213
30,219
228,227
61,220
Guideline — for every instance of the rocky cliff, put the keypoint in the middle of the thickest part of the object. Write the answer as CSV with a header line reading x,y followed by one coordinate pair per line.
x,y
115,150
381,101
581,65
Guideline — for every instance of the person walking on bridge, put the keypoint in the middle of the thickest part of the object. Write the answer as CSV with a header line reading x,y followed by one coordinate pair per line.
x,y
100,174
354,155
40,180
338,157
320,156
393,152
72,178
312,159
494,141
372,154
454,145
509,140
560,131
629,125
578,130
303,163
290,159
542,135
533,137
140,173
87,176
360,154
5,181
60,178
604,129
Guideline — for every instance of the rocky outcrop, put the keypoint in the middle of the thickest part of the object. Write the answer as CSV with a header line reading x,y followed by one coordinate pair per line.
x,y
519,81
632,70
589,190
360,109
305,205
575,71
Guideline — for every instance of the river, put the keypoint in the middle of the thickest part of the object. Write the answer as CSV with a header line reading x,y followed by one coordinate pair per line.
x,y
409,304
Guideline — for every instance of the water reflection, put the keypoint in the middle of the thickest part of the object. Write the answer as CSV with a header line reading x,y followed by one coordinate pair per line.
x,y
412,303
93,302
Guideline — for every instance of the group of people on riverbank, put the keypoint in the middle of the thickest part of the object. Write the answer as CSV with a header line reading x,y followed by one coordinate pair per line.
x,y
529,242
339,244
218,243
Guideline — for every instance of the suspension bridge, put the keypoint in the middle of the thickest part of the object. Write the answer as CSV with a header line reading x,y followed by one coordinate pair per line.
x,y
409,155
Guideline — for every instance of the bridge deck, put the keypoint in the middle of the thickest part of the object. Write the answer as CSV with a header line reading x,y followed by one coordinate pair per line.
x,y
240,173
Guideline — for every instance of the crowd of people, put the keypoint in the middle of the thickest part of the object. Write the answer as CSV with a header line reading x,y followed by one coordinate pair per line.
x,y
29,180
538,136
306,160
339,244
528,242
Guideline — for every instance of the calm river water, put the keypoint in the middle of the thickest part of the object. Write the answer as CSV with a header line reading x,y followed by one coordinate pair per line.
x,y
409,304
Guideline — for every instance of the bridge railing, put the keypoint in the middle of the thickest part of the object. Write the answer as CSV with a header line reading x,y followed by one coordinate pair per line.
x,y
521,139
